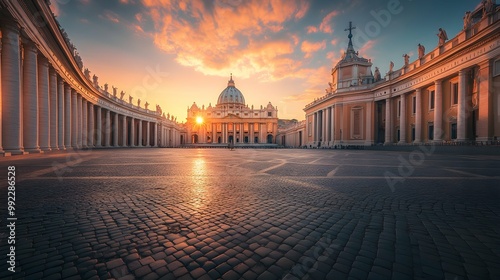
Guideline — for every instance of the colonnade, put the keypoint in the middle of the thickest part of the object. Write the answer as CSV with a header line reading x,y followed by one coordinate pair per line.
x,y
256,132
41,111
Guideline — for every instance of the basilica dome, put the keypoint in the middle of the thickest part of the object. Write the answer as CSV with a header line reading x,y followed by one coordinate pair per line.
x,y
231,95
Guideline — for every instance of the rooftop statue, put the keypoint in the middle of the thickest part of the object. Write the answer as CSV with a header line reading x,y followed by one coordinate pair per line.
x,y
130,98
421,51
467,20
122,93
377,75
442,37
407,59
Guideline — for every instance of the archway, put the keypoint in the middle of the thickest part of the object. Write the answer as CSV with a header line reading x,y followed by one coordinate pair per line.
x,y
194,139
219,140
230,139
269,139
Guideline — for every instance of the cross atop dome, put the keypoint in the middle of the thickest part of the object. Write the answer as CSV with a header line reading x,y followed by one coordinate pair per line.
x,y
350,53
230,83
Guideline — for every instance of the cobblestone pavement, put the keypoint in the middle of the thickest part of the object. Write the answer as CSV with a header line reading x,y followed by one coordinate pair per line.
x,y
254,214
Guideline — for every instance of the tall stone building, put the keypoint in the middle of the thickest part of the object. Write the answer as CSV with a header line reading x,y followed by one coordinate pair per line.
x,y
450,94
231,120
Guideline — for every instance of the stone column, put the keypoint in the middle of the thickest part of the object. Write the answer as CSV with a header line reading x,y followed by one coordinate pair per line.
x,y
107,129
132,132
314,120
2,152
139,134
67,116
116,131
369,140
324,128
11,90
54,131
486,91
85,123
98,129
124,131
250,129
30,99
438,112
148,124
155,141
418,116
333,124
91,130
402,120
60,113
327,126
43,104
74,119
461,113
388,122
79,120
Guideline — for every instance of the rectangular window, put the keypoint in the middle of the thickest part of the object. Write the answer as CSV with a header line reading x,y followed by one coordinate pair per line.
x,y
256,114
398,134
454,94
309,129
412,133
432,95
453,131
269,114
496,68
430,131
399,108
414,105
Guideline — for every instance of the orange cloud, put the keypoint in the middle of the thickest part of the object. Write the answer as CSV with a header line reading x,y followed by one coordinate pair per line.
x,y
366,48
326,24
316,80
111,16
310,47
312,29
220,37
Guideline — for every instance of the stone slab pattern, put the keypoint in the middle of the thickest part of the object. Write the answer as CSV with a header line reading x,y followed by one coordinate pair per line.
x,y
255,214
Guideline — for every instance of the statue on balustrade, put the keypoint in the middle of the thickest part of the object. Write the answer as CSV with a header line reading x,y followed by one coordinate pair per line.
x,y
377,75
95,79
130,98
391,66
467,20
146,105
421,51
407,59
442,37
122,93
114,90
488,7
86,72
106,87
138,102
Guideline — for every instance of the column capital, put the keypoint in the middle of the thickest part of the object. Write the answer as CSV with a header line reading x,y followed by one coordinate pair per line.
x,y
418,90
10,24
29,45
438,82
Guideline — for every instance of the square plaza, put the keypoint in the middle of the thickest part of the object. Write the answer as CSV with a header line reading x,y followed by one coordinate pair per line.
x,y
256,214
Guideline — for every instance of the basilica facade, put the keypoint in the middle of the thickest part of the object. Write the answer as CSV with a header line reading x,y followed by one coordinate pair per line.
x,y
449,95
231,120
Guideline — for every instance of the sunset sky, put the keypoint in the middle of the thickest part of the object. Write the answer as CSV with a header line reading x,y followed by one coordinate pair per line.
x,y
174,53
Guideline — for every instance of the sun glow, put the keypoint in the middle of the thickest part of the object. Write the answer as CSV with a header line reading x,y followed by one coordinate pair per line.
x,y
199,120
